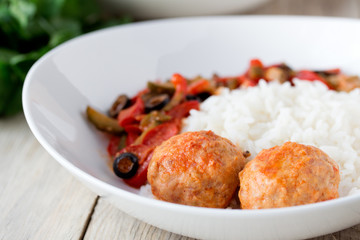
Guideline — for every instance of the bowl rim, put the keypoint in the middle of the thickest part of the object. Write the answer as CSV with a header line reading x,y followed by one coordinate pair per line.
x,y
233,213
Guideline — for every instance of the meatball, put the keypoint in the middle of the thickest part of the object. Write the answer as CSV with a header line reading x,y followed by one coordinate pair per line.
x,y
288,175
196,168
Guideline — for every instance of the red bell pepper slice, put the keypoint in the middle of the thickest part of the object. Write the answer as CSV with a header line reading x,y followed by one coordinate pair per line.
x,y
143,151
182,110
311,76
160,133
199,86
133,132
140,150
256,63
180,83
180,91
128,115
113,145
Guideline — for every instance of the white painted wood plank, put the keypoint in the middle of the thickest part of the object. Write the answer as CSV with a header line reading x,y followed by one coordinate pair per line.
x,y
110,223
39,199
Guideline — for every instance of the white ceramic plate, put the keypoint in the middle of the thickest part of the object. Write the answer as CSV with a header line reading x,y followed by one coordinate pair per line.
x,y
95,68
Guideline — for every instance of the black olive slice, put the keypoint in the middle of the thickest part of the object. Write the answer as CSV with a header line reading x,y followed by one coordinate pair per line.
x,y
203,96
156,102
200,97
191,97
120,103
125,165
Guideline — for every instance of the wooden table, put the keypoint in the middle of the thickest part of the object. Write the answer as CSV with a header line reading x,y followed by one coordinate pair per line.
x,y
39,199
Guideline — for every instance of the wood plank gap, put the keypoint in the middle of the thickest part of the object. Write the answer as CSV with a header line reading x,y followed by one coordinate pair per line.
x,y
88,219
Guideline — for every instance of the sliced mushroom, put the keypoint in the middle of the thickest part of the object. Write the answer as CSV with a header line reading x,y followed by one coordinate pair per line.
x,y
159,88
281,73
255,72
348,83
232,83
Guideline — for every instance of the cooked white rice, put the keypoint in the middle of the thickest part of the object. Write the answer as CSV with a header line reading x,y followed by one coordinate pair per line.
x,y
261,117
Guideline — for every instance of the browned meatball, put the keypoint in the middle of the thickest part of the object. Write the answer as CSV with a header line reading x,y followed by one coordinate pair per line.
x,y
288,175
197,169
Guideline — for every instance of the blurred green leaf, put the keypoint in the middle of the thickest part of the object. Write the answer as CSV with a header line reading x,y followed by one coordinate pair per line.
x,y
6,55
49,8
80,10
63,30
22,11
30,28
9,85
4,12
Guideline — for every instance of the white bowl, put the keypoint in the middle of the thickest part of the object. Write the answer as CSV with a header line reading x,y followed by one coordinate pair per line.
x,y
146,9
95,68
